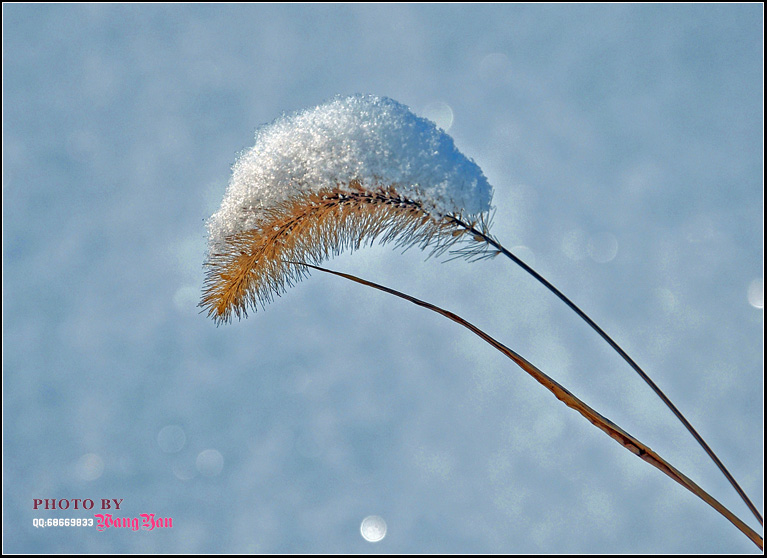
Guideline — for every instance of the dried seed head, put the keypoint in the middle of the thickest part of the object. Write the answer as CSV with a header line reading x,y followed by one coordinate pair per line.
x,y
328,179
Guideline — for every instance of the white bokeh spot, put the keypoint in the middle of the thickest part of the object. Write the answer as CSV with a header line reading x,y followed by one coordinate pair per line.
x,y
440,113
495,68
756,293
373,528
89,467
210,463
171,439
603,247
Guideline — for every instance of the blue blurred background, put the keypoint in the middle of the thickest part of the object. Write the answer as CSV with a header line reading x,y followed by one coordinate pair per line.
x,y
625,145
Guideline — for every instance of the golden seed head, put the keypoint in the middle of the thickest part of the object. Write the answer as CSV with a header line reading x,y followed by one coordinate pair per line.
x,y
253,266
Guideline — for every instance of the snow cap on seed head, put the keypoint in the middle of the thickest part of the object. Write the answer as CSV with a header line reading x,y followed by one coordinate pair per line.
x,y
363,139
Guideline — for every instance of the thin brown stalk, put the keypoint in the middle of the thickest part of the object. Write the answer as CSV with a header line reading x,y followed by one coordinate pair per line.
x,y
490,245
607,426
251,267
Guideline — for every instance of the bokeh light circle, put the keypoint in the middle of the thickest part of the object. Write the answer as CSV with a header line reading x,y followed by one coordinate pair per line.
x,y
373,528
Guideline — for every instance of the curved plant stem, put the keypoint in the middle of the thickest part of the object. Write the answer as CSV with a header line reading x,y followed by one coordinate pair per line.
x,y
610,428
478,233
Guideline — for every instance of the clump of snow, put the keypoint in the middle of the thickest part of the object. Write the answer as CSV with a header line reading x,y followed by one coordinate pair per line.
x,y
375,141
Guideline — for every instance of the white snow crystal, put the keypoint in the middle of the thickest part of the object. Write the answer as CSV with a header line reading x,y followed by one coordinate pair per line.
x,y
375,141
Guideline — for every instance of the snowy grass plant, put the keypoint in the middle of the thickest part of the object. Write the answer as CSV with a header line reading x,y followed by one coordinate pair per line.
x,y
330,179
365,168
